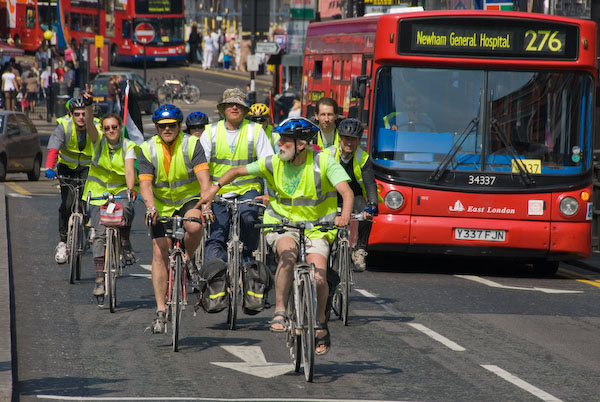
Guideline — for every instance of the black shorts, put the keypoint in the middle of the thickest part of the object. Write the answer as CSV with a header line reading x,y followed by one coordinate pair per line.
x,y
160,229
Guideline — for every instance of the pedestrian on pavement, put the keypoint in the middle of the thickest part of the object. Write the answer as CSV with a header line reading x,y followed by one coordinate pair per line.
x,y
194,40
111,95
70,78
10,87
207,53
32,87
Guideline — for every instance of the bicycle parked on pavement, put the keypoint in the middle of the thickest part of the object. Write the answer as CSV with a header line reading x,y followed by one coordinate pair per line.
x,y
77,242
173,89
234,253
114,260
301,309
177,275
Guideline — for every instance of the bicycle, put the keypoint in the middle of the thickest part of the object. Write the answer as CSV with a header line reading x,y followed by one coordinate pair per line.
x,y
301,307
114,260
173,89
76,233
177,289
234,253
340,260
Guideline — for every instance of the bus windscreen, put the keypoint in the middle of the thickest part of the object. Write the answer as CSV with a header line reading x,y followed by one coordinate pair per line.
x,y
483,121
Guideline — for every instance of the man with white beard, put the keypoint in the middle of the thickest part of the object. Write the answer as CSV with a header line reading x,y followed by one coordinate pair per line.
x,y
302,186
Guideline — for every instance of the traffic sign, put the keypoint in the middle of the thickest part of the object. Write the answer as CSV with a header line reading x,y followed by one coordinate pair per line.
x,y
144,32
267,47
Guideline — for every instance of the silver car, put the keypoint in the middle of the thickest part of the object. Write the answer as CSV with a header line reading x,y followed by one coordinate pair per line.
x,y
20,149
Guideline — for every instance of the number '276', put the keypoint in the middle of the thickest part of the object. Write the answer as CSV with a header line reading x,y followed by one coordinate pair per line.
x,y
542,40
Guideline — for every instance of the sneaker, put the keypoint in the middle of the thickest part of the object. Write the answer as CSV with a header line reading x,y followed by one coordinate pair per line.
x,y
128,253
359,260
60,255
159,325
99,288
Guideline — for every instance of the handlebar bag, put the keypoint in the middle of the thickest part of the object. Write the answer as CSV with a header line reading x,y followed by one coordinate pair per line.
x,y
111,214
214,296
257,280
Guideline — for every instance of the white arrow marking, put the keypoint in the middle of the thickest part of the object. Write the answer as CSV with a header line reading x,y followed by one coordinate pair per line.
x,y
493,284
147,267
255,362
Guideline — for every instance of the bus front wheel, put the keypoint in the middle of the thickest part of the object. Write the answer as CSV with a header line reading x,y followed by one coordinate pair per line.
x,y
545,268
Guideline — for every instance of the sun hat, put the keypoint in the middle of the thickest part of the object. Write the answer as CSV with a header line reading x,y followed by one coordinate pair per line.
x,y
232,95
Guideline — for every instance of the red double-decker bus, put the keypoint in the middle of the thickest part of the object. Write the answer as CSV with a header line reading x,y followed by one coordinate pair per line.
x,y
480,126
115,20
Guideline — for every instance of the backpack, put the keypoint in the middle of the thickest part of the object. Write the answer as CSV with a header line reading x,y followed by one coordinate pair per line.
x,y
257,280
214,296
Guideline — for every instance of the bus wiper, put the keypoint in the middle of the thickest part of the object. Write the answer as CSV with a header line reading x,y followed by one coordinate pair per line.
x,y
437,174
501,134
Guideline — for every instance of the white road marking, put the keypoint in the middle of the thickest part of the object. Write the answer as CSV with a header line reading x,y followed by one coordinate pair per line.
x,y
440,338
17,195
148,276
429,332
543,395
147,267
493,284
191,398
254,363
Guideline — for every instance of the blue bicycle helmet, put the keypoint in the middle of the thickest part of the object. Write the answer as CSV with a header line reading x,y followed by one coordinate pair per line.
x,y
167,113
298,128
195,119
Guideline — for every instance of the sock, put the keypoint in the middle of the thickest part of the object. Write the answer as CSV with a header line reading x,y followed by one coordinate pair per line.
x,y
99,266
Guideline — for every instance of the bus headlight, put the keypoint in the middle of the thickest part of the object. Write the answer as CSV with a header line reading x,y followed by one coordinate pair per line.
x,y
394,199
569,206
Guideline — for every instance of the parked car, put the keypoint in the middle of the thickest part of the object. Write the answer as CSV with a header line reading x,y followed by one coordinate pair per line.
x,y
20,149
140,90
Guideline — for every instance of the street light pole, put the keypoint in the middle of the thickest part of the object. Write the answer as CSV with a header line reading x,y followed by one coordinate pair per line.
x,y
49,95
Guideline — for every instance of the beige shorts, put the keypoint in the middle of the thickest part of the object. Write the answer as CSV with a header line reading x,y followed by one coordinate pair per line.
x,y
313,246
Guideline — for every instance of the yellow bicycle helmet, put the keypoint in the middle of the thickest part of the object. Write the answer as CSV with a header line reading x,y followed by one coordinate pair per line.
x,y
259,110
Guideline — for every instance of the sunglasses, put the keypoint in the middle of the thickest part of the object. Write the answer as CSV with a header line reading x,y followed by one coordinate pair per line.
x,y
106,128
167,125
231,105
195,128
259,119
78,114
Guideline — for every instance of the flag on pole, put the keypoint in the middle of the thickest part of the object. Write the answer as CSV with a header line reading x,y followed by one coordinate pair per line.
x,y
132,119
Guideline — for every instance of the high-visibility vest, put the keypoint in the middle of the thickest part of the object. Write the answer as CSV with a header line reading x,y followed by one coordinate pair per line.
x,y
314,201
172,191
336,140
272,136
222,159
359,159
106,174
69,154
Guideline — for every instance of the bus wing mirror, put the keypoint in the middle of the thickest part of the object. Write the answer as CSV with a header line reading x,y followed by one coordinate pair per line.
x,y
359,86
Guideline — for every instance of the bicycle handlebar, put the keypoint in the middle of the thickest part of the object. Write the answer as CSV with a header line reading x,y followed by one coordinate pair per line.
x,y
228,201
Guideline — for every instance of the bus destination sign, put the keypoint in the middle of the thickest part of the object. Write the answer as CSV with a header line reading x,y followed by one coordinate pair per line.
x,y
488,38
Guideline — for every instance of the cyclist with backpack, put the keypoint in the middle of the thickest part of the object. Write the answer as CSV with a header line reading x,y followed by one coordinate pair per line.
x,y
172,173
359,167
302,186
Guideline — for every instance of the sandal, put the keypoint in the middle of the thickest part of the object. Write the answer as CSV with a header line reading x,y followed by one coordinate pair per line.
x,y
282,320
322,341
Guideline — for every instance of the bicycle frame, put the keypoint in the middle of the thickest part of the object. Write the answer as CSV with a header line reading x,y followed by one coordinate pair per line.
x,y
75,242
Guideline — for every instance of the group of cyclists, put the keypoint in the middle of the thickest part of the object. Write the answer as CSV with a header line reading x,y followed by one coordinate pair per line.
x,y
311,172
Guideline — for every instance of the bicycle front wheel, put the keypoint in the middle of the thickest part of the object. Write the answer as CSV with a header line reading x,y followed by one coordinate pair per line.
x,y
293,340
164,94
191,94
234,286
176,301
111,267
73,244
307,324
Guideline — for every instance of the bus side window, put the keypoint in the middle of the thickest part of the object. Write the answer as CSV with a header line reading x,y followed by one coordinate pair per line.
x,y
126,29
318,71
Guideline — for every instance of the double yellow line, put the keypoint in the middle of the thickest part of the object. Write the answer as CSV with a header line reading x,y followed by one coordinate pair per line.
x,y
18,188
579,277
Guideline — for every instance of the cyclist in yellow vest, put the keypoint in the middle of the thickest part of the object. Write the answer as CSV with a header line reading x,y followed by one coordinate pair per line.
x,y
359,167
112,170
326,112
260,113
302,186
70,145
231,142
172,173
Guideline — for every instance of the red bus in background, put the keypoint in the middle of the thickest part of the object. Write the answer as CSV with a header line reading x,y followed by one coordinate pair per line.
x,y
26,20
115,20
479,125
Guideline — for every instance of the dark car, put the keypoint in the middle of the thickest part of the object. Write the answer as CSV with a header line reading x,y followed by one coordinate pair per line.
x,y
140,91
20,149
